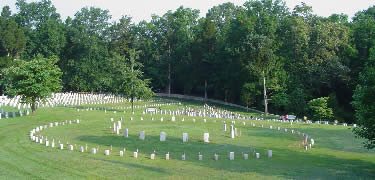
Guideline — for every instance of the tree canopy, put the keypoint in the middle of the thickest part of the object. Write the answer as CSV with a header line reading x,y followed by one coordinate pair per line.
x,y
33,80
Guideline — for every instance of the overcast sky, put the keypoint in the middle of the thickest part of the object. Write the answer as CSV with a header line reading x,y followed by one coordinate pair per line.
x,y
142,9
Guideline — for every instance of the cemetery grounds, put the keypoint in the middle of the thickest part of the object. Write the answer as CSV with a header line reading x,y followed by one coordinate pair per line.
x,y
336,153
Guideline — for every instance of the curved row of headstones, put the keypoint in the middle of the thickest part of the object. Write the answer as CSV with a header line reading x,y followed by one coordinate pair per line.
x,y
36,137
233,130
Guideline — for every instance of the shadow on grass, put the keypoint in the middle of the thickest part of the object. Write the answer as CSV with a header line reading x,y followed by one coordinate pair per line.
x,y
148,168
285,163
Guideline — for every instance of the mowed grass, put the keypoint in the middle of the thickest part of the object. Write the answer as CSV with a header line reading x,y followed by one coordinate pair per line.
x,y
336,154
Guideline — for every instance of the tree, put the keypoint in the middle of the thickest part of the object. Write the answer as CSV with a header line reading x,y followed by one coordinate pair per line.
x,y
12,39
261,60
33,80
248,93
364,103
131,84
319,109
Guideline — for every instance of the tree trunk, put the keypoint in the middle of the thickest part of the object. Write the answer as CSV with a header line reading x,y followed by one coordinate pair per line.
x,y
169,70
132,101
265,94
205,89
33,108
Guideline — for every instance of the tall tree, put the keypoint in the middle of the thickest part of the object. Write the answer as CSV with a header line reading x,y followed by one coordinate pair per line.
x,y
130,82
12,39
363,103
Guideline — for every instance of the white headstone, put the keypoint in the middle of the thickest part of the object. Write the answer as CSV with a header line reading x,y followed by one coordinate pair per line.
x,y
93,150
106,152
152,156
257,155
269,153
163,136
81,149
246,156
126,131
71,147
135,154
183,157
167,156
231,131
185,137
206,137
121,153
142,135
216,157
61,146
231,156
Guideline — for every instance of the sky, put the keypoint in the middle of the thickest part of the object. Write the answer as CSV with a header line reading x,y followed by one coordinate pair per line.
x,y
143,9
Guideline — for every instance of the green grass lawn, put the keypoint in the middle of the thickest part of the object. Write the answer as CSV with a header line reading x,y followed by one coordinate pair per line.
x,y
335,155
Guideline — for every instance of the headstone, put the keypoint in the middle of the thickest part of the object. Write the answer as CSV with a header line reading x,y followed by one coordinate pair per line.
x,y
185,137
126,131
61,146
225,127
312,142
93,150
231,156
183,157
106,152
121,153
269,153
135,154
153,156
231,131
173,118
142,135
206,137
246,156
163,136
71,147
257,155
200,157
216,157
81,149
53,144
167,156
47,143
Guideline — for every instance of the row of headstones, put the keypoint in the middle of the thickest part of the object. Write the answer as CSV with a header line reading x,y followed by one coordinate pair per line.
x,y
65,99
305,136
230,115
13,114
38,138
233,130
38,129
173,119
183,157
122,107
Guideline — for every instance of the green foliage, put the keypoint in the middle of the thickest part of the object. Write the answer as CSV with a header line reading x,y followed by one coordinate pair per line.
x,y
319,109
33,80
12,39
364,103
129,80
249,92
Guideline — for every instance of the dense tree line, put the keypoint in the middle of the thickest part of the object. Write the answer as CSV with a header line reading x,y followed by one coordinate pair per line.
x,y
261,54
